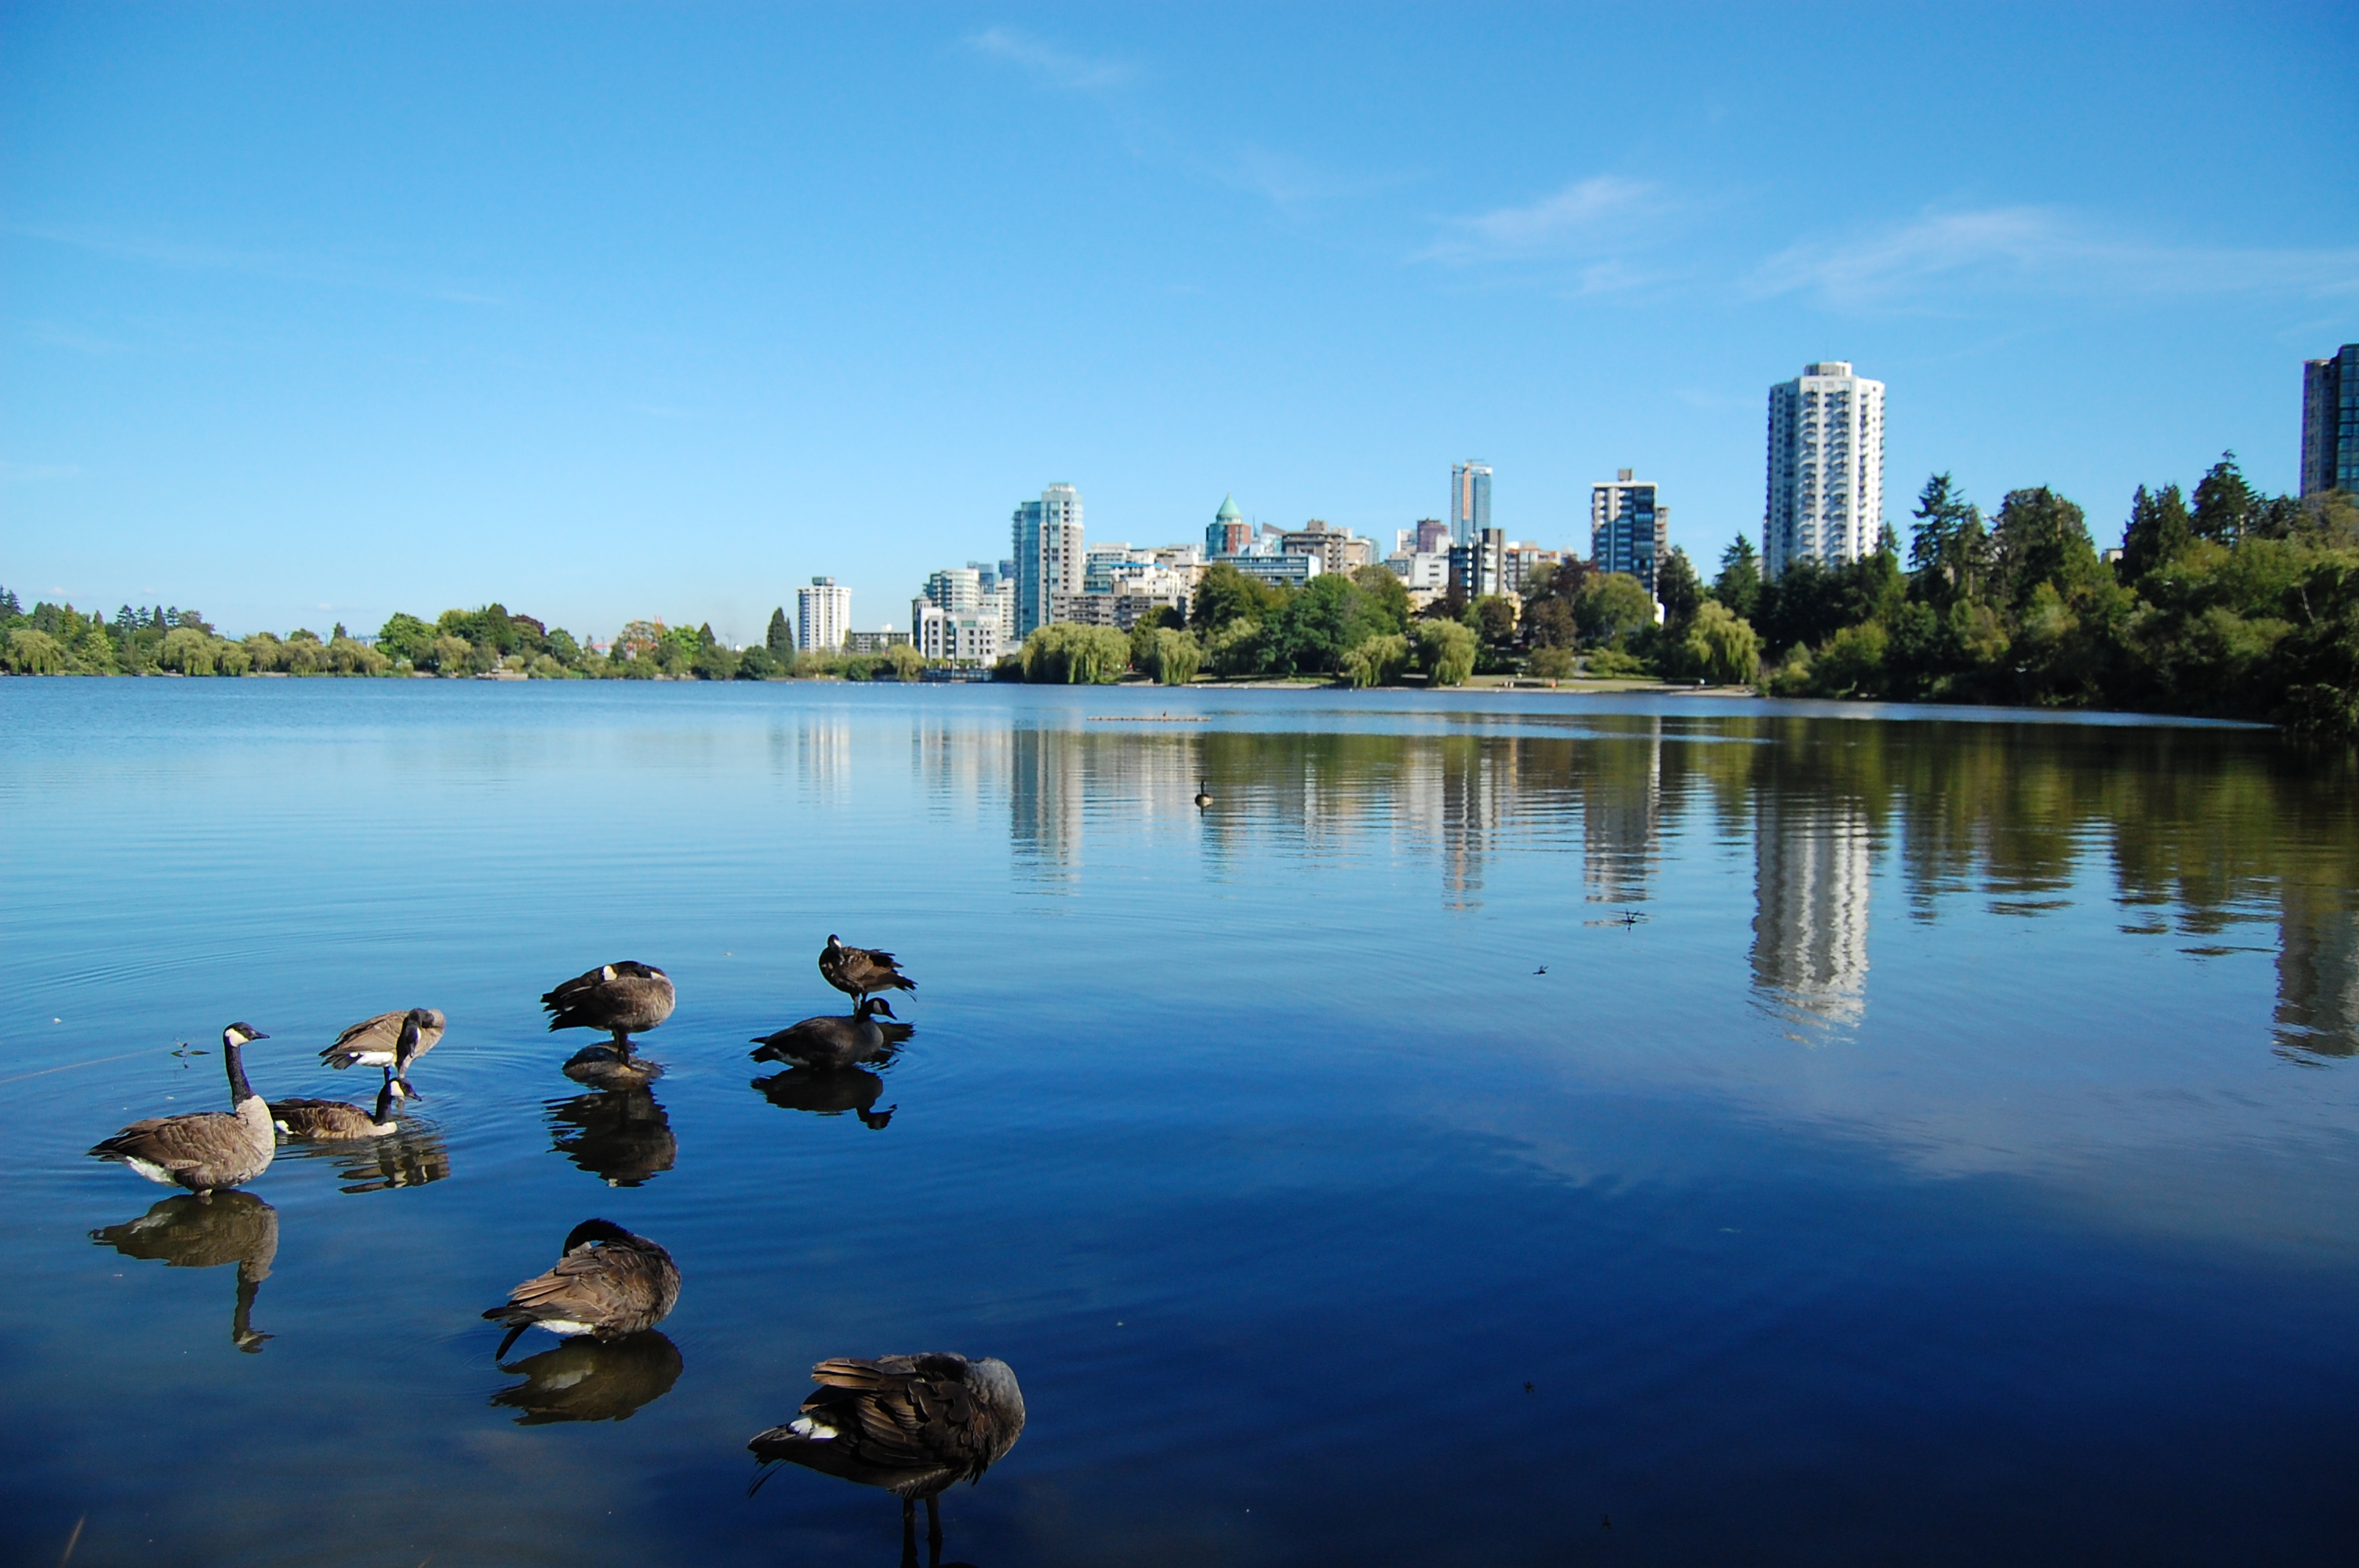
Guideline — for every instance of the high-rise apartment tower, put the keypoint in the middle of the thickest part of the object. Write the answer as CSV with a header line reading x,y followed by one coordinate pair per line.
x,y
1470,500
1826,469
1629,527
822,616
2330,422
1047,555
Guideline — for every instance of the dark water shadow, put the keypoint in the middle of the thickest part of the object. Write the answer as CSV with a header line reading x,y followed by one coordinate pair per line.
x,y
620,1136
190,1232
592,1379
830,1093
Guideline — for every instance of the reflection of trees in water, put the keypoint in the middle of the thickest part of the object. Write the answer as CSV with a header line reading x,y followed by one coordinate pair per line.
x,y
2203,830
191,1232
591,1379
621,1136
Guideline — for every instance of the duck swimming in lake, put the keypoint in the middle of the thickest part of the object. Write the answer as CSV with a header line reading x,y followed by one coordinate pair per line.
x,y
325,1120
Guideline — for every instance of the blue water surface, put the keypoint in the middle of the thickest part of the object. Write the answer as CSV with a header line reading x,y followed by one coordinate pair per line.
x,y
1498,1128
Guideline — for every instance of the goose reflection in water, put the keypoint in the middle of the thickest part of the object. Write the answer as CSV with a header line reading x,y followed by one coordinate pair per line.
x,y
410,1156
592,1379
621,1136
855,1089
190,1232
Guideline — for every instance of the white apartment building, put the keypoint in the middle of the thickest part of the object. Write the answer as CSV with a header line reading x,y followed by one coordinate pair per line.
x,y
1826,469
967,636
822,616
955,587
1420,571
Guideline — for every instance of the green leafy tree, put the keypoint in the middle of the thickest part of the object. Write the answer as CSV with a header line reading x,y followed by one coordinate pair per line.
x,y
452,656
1377,660
1236,648
2158,533
1721,646
1551,661
1678,589
1613,608
1226,594
1075,655
2223,503
2040,537
1175,658
34,653
906,662
1383,598
1446,651
404,636
1738,586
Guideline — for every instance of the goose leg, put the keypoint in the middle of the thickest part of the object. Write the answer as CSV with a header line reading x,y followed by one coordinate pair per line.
x,y
908,1533
934,1527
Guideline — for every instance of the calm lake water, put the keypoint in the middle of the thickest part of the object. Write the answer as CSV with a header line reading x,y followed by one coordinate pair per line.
x,y
1934,1137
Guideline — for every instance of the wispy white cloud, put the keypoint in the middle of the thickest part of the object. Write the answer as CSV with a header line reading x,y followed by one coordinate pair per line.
x,y
1058,68
2040,249
1602,215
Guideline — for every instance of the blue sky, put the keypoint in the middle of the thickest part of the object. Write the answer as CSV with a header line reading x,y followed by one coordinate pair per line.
x,y
316,312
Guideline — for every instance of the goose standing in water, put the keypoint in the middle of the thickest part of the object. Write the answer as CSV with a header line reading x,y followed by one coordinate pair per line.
x,y
617,998
391,1040
831,1041
204,1151
858,972
911,1425
609,1283
323,1121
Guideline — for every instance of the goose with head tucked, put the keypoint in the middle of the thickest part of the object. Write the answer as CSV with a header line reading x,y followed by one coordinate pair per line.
x,y
391,1040
832,1042
608,1283
204,1151
617,998
330,1120
860,972
911,1425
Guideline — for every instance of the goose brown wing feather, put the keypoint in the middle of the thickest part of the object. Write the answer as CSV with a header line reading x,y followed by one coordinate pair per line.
x,y
913,1412
176,1142
620,1289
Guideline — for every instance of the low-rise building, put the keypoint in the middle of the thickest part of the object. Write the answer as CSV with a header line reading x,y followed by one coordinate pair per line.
x,y
874,641
1279,572
1338,549
1523,567
956,636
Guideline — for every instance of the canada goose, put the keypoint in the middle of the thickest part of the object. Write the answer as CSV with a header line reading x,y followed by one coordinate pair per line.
x,y
621,1136
592,1379
322,1120
617,998
829,1092
857,971
1204,797
911,1425
833,1042
385,1042
203,1233
608,1283
205,1150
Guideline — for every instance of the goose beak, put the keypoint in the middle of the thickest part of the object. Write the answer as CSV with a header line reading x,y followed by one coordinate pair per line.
x,y
402,1087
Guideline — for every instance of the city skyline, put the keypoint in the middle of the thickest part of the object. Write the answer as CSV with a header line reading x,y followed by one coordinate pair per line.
x,y
404,309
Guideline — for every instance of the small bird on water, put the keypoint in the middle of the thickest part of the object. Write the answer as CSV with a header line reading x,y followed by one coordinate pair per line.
x,y
1203,797
860,972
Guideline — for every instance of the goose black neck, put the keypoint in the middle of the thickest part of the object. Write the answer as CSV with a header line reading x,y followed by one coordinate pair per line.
x,y
240,1090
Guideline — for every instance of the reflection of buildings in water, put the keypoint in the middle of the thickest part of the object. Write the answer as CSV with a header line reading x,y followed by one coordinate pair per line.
x,y
1621,816
823,754
1478,784
959,769
621,1136
190,1232
1811,866
586,1379
1059,781
2318,970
